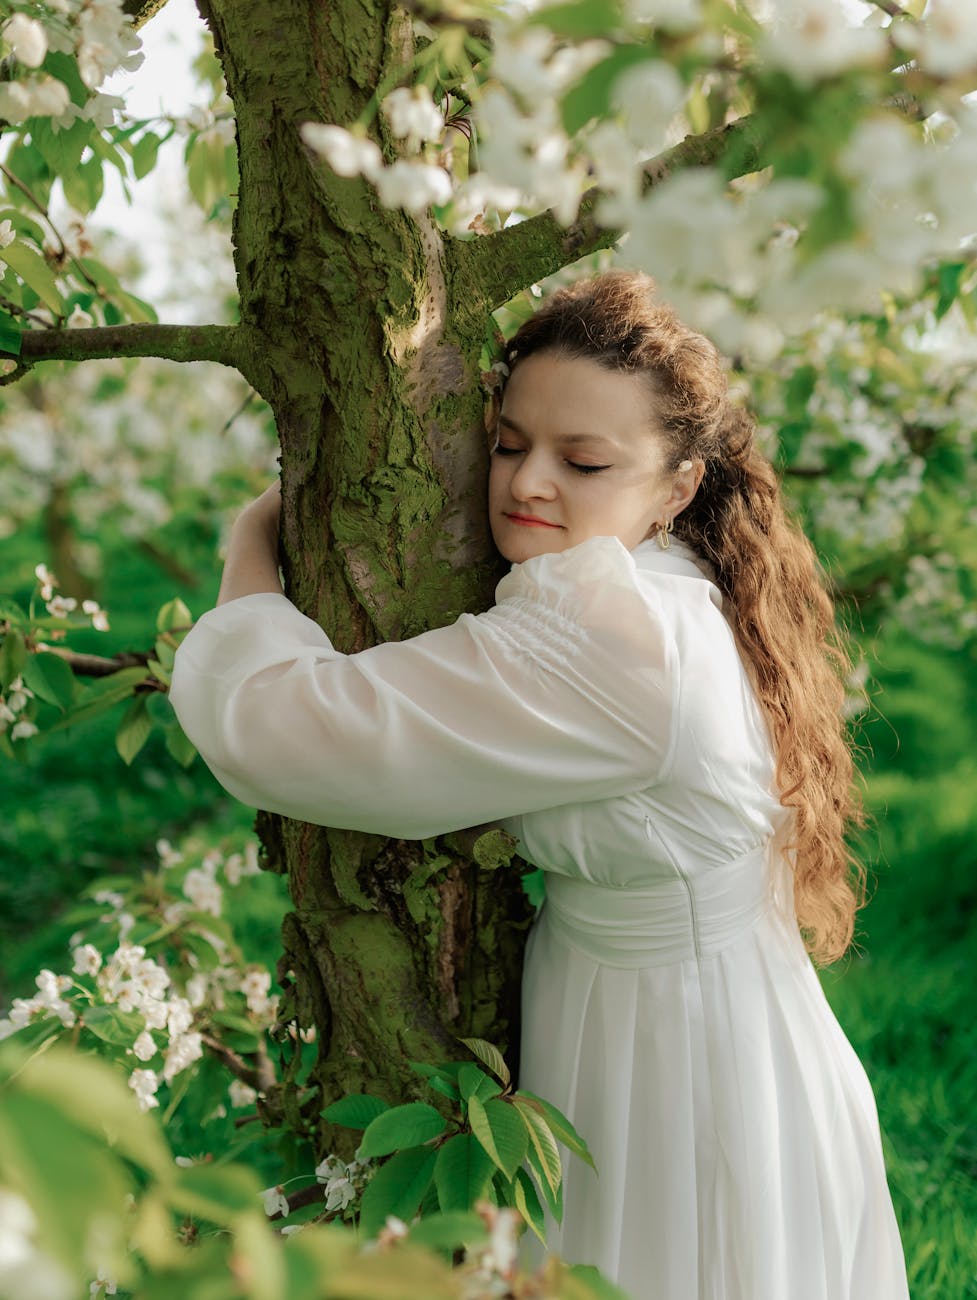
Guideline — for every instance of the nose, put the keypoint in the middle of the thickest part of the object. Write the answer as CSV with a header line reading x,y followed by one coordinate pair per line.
x,y
533,479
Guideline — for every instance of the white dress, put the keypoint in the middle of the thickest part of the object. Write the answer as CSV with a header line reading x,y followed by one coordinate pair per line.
x,y
601,713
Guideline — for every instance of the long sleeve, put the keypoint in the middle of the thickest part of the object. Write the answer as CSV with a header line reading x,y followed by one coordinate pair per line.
x,y
564,691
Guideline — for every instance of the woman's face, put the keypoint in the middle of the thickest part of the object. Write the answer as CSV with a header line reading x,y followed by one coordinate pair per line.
x,y
575,459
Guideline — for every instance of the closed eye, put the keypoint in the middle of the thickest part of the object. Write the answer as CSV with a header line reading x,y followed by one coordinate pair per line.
x,y
501,450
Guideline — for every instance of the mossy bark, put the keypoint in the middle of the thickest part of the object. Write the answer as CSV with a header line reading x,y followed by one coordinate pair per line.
x,y
356,336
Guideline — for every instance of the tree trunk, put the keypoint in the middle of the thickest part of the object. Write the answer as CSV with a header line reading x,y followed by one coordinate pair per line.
x,y
370,365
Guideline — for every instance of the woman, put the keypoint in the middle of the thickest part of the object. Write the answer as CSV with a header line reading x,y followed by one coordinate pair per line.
x,y
657,718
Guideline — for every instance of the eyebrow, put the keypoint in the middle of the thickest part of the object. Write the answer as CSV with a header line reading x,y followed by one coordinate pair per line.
x,y
563,437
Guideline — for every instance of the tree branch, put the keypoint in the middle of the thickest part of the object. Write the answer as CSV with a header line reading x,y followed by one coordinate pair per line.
x,y
97,665
220,343
140,11
503,263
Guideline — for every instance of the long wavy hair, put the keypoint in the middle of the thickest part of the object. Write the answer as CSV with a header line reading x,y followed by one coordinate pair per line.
x,y
782,614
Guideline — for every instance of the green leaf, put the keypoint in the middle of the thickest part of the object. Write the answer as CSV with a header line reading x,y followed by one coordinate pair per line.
x,y
179,746
13,657
207,169
462,1172
173,615
560,1126
120,1028
403,1126
501,1130
578,18
449,1231
474,1082
61,150
358,1110
34,271
217,1193
10,332
397,1188
528,1205
50,678
543,1147
144,154
442,1078
489,1055
100,696
948,278
84,184
134,729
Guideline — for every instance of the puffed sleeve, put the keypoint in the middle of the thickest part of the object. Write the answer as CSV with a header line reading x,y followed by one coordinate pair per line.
x,y
563,691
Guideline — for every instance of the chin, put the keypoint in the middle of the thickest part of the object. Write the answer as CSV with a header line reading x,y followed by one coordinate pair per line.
x,y
517,549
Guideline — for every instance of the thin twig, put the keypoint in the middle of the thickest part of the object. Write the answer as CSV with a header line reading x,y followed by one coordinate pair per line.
x,y
63,250
84,665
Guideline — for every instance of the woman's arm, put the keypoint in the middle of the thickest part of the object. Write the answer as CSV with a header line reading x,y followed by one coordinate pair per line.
x,y
251,565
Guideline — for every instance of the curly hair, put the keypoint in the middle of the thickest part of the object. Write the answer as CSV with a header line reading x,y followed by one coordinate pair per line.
x,y
782,614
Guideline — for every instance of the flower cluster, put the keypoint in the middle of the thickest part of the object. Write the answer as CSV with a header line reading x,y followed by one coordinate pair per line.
x,y
154,1008
13,702
97,33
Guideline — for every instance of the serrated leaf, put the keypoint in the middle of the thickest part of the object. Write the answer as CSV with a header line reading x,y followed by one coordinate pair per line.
x,y
489,1055
501,1130
543,1144
528,1205
401,1127
13,657
462,1172
50,678
560,1126
207,173
358,1110
473,1082
397,1188
133,730
35,272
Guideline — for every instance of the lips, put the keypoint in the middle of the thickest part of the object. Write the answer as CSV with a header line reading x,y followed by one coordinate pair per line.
x,y
530,521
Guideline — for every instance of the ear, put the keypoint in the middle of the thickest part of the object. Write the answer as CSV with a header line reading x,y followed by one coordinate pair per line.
x,y
685,484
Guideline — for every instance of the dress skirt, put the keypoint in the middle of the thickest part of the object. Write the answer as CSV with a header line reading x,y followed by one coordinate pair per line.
x,y
684,1032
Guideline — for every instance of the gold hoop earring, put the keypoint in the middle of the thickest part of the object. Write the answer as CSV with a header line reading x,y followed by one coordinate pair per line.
x,y
662,535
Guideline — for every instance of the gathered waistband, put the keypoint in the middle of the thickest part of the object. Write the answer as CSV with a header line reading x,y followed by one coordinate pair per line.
x,y
688,917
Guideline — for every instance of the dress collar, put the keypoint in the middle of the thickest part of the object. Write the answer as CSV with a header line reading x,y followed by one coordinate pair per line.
x,y
679,559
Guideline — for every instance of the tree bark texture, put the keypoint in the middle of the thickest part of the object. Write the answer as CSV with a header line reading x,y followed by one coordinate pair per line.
x,y
356,337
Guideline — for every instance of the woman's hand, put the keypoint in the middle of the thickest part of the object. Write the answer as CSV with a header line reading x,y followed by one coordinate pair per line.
x,y
251,565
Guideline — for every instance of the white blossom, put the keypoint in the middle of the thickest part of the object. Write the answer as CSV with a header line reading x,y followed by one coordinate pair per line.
x,y
100,620
255,986
168,856
87,959
811,39
241,1094
196,989
670,15
275,1201
648,95
18,695
182,1051
413,115
347,154
179,1016
145,1084
61,606
946,41
39,97
203,890
145,1047
412,186
7,233
79,319
106,41
47,580
17,1228
27,38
